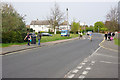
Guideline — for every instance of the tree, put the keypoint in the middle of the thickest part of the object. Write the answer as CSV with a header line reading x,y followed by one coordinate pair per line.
x,y
56,16
75,26
112,18
11,20
13,25
98,26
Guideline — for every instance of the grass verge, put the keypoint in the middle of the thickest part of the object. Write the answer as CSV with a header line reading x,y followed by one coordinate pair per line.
x,y
117,42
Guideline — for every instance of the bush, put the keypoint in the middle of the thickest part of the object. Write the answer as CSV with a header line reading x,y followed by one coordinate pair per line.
x,y
58,32
51,32
13,36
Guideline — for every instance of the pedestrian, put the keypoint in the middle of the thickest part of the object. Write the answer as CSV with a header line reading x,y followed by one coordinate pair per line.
x,y
106,34
81,34
28,37
109,36
113,35
39,37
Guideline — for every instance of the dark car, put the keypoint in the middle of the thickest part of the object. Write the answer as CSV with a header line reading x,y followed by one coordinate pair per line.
x,y
46,34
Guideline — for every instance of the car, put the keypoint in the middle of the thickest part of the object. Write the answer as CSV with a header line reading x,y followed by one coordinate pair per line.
x,y
46,34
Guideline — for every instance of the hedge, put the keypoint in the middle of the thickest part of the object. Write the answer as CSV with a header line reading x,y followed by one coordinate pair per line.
x,y
13,36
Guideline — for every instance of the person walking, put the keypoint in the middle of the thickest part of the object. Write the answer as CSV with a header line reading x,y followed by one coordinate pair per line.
x,y
81,34
106,34
39,37
109,36
28,37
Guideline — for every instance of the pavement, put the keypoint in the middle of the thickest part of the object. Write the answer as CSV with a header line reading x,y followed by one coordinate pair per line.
x,y
16,48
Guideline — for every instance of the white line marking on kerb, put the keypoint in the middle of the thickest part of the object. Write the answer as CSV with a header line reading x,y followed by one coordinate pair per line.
x,y
75,71
85,72
71,76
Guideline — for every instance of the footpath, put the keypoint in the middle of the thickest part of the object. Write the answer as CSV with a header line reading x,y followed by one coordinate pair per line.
x,y
16,48
101,65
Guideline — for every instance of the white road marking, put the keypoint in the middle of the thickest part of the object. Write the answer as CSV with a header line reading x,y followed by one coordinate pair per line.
x,y
88,68
107,55
81,76
75,71
85,72
83,63
71,76
79,67
109,62
93,62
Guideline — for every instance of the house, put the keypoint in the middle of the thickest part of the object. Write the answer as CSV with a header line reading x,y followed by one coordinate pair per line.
x,y
40,25
27,26
64,26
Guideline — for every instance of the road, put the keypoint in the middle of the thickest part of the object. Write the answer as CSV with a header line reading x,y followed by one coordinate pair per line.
x,y
53,61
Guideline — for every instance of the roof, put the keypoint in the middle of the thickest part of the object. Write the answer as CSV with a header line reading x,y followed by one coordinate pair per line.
x,y
39,22
64,23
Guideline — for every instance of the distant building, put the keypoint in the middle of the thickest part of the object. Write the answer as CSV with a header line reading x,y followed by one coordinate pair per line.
x,y
64,26
40,25
28,26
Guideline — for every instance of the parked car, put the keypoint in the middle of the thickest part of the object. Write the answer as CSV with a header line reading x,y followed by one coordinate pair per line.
x,y
46,34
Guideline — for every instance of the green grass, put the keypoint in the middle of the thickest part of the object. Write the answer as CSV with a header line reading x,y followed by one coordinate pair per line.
x,y
117,42
44,39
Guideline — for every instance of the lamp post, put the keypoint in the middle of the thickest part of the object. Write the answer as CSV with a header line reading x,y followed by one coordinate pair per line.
x,y
67,17
98,29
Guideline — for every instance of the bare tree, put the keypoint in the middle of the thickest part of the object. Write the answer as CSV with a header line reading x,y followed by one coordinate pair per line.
x,y
112,17
56,16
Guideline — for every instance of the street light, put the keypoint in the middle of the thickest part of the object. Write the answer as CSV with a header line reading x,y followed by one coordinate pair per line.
x,y
67,17
98,29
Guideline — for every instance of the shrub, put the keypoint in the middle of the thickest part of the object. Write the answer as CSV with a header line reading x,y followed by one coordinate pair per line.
x,y
58,32
13,36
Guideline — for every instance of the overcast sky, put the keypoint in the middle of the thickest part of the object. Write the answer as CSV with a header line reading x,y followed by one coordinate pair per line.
x,y
88,12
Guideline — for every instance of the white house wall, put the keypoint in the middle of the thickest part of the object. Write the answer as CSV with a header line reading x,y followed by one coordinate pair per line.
x,y
40,28
63,27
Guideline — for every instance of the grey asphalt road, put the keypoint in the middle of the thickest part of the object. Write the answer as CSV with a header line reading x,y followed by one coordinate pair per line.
x,y
49,62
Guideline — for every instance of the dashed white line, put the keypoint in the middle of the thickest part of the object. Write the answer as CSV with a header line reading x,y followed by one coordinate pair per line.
x,y
81,76
71,76
93,62
88,68
85,72
83,63
75,71
79,67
